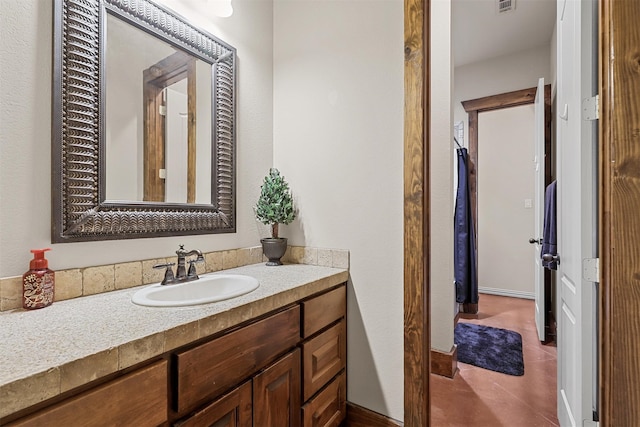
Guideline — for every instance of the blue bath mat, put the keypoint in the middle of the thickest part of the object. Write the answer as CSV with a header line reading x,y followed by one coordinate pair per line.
x,y
490,348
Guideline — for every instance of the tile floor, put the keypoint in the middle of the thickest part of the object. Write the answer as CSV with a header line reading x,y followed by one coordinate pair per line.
x,y
478,397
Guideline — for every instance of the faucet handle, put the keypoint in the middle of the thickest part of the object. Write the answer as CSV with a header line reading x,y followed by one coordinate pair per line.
x,y
192,273
168,274
168,264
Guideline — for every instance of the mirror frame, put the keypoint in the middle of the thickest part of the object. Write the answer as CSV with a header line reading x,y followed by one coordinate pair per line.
x,y
80,211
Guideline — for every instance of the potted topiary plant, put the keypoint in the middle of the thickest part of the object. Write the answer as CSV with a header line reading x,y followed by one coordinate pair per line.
x,y
274,207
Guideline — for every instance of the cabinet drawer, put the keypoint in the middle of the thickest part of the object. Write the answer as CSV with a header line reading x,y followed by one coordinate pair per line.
x,y
323,357
136,399
211,368
232,409
323,310
329,407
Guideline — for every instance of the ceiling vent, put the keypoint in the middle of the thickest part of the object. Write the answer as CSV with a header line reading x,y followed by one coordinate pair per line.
x,y
504,6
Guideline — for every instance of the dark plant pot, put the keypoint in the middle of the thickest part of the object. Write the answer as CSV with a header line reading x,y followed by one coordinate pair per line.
x,y
274,249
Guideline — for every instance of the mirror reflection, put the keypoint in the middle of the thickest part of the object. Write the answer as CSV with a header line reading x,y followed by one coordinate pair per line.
x,y
158,121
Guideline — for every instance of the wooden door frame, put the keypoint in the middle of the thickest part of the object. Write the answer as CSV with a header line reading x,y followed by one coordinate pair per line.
x,y
417,337
619,202
497,102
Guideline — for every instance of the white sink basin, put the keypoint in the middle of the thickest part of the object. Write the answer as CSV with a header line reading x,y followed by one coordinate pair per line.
x,y
208,288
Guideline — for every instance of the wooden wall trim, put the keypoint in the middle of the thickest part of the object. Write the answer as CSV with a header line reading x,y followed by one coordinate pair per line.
x,y
444,363
357,416
604,140
416,214
619,204
502,100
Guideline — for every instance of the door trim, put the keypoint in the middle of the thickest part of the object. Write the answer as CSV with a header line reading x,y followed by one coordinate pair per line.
x,y
619,203
416,213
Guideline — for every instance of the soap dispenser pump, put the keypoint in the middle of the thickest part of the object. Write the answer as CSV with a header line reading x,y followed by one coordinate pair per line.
x,y
38,282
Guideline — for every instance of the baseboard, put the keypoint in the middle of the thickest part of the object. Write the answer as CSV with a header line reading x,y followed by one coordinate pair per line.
x,y
357,416
507,293
444,363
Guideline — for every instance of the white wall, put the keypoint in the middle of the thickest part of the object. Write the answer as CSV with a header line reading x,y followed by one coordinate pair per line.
x,y
25,133
441,173
505,181
338,139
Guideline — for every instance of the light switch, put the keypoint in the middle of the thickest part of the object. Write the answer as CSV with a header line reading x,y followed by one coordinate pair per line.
x,y
528,203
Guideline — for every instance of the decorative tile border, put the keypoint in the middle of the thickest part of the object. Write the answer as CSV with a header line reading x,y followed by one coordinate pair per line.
x,y
77,282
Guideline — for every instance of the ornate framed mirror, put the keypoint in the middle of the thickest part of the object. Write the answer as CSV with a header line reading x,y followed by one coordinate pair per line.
x,y
143,124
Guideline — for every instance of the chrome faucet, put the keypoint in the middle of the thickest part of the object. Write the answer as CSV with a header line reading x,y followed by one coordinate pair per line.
x,y
182,275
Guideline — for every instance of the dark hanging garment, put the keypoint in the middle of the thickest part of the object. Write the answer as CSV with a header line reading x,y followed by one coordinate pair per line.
x,y
549,236
464,257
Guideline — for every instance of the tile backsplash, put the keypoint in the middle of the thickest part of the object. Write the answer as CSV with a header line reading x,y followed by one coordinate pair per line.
x,y
77,282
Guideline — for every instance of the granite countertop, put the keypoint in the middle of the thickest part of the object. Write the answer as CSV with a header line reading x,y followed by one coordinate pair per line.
x,y
52,350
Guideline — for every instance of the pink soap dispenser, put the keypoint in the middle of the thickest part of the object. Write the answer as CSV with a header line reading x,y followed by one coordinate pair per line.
x,y
38,282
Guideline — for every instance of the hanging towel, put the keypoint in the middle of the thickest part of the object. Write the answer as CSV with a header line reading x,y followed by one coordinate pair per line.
x,y
464,257
549,237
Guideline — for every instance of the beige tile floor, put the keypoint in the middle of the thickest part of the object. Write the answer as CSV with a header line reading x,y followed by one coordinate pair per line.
x,y
478,397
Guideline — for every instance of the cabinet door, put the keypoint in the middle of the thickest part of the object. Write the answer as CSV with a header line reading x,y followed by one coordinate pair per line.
x,y
231,410
276,393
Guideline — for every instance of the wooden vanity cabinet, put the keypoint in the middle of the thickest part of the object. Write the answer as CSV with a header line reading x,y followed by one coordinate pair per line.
x,y
135,399
284,370
304,387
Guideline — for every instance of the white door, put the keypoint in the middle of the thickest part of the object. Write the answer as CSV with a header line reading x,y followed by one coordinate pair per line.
x,y
539,206
576,204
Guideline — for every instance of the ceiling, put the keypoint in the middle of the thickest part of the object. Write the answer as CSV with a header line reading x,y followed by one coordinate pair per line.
x,y
480,33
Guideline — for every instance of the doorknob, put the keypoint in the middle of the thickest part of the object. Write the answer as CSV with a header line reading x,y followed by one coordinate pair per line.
x,y
551,258
532,241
